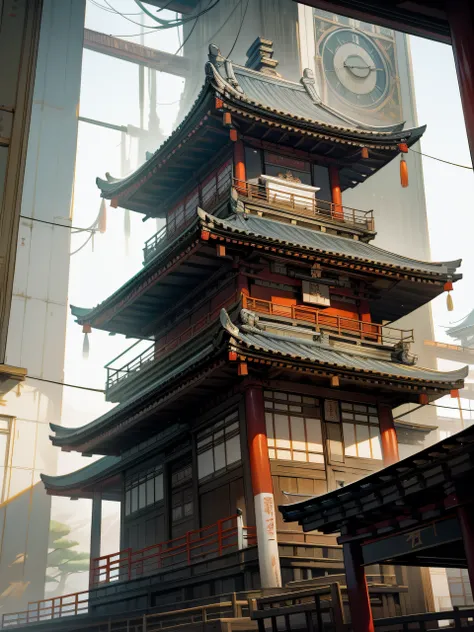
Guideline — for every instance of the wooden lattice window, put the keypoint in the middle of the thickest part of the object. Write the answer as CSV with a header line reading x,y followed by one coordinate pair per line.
x,y
294,430
360,426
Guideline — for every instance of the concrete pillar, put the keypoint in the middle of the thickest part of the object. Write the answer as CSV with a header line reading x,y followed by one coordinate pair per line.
x,y
357,590
262,487
461,22
388,435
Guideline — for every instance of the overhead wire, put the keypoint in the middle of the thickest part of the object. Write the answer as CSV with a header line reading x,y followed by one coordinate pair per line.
x,y
446,162
239,29
84,388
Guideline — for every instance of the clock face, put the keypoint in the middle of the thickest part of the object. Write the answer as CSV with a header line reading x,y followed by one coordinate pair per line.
x,y
355,69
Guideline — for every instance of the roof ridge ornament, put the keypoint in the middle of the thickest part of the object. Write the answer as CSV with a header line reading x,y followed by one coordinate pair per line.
x,y
260,57
309,84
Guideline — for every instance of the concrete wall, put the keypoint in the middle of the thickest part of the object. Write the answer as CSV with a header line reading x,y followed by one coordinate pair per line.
x,y
36,335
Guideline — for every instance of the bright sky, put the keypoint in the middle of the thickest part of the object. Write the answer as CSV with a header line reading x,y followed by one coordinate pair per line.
x,y
110,93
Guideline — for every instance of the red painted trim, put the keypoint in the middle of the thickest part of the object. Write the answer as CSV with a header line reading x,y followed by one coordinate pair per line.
x,y
336,191
257,441
239,166
388,436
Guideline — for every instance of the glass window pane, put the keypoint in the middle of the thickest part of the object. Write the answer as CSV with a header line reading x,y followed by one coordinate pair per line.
x,y
284,454
271,453
269,425
134,499
282,431
219,457
300,456
233,450
298,438
294,398
316,458
375,442
5,423
150,491
158,487
127,502
335,441
313,432
3,449
205,464
350,447
142,496
363,441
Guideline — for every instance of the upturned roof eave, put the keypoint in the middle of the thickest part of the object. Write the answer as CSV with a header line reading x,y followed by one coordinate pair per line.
x,y
77,438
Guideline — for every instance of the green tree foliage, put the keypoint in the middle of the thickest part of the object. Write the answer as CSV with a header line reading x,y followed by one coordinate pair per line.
x,y
63,558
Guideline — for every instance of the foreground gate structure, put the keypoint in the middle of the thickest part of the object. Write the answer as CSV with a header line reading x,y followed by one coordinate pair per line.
x,y
418,512
265,370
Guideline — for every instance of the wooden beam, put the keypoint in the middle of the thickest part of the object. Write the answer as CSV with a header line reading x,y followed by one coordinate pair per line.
x,y
136,53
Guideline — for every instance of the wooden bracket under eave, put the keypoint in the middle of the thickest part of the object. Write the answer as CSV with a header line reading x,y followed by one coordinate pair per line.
x,y
243,369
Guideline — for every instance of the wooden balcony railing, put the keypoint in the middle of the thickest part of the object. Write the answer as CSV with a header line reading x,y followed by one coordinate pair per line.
x,y
306,205
225,536
47,609
295,202
170,231
154,352
370,332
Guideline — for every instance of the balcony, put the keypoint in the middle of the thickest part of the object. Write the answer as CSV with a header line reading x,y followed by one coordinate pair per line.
x,y
301,200
143,353
208,198
348,328
280,194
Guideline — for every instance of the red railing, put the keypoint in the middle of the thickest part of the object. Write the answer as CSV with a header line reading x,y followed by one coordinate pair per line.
x,y
224,536
46,609
370,332
303,204
155,352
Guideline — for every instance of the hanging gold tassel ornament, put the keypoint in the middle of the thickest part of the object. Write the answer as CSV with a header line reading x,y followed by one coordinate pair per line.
x,y
102,223
448,287
86,330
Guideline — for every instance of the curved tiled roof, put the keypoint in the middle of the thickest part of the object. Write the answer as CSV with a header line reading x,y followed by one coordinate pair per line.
x,y
278,97
320,354
307,239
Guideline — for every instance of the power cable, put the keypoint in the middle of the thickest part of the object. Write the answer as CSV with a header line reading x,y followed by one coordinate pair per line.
x,y
239,29
100,6
446,162
43,221
84,388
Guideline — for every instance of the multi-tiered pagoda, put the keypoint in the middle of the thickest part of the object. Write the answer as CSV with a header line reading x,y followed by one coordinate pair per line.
x,y
273,365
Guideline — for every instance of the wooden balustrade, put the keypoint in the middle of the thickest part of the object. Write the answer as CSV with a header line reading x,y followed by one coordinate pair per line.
x,y
155,352
312,609
341,325
46,609
214,540
307,205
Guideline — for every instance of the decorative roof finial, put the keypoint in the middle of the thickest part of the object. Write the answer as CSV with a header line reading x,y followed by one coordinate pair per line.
x,y
310,86
260,57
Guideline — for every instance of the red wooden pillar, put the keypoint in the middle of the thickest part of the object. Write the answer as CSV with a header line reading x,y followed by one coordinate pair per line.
x,y
388,435
337,212
239,167
262,487
466,520
357,589
461,22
